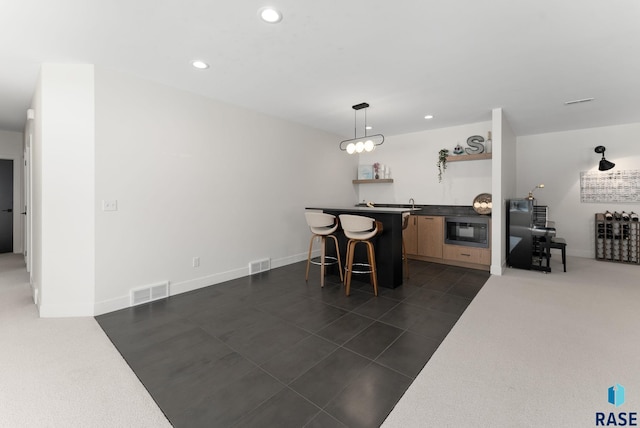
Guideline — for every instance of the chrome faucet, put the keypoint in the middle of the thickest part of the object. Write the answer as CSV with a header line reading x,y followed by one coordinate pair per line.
x,y
413,203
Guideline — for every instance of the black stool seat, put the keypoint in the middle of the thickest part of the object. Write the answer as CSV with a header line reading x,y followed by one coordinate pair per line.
x,y
560,244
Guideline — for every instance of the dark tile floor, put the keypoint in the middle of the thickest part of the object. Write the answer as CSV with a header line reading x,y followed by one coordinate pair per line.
x,y
273,350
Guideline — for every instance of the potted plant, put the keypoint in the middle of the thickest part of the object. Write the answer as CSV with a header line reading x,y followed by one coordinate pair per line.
x,y
442,162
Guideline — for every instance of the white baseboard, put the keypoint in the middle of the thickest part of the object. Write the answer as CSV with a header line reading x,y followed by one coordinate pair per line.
x,y
180,287
498,270
205,281
293,259
111,305
194,284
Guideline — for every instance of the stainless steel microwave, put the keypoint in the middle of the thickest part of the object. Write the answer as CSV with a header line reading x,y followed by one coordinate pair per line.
x,y
468,231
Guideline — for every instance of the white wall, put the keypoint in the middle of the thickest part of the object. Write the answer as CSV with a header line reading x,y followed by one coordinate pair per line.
x,y
556,159
412,159
63,184
194,177
35,126
11,147
504,186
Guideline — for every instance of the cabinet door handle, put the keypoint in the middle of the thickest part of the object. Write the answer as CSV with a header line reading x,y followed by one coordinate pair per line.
x,y
463,254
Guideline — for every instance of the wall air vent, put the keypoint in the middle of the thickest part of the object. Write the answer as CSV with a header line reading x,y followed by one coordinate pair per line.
x,y
149,293
259,266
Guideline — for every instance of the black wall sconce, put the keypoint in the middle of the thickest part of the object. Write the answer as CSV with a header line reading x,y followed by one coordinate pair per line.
x,y
605,165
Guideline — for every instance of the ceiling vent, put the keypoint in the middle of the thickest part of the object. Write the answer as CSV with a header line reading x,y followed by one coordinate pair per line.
x,y
583,100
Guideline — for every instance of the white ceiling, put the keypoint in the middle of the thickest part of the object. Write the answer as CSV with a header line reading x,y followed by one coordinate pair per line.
x,y
456,60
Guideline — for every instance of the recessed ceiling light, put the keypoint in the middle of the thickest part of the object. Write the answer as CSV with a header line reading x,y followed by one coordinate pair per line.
x,y
368,127
429,116
200,64
270,15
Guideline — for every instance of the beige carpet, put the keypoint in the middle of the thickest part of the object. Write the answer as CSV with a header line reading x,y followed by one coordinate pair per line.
x,y
62,372
534,350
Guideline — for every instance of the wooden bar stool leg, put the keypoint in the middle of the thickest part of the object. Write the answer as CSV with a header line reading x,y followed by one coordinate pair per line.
x,y
306,277
335,240
350,250
372,262
347,266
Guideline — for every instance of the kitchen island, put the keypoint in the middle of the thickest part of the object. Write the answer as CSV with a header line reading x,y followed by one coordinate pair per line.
x,y
388,245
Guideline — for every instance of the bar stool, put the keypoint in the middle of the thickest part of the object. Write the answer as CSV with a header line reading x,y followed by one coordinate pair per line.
x,y
360,229
323,225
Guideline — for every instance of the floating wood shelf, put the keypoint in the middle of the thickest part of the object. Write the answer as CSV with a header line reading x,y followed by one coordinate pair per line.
x,y
375,180
456,158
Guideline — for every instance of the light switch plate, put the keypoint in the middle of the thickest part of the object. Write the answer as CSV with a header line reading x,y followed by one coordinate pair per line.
x,y
110,205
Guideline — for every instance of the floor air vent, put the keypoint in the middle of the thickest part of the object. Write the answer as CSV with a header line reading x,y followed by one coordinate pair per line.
x,y
150,293
259,266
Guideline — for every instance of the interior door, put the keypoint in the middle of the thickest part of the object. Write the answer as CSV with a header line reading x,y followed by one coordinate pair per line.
x,y
6,206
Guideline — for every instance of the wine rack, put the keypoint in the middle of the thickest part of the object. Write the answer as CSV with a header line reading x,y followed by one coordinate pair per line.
x,y
617,240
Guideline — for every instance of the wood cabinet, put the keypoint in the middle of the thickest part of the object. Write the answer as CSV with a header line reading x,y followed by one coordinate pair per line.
x,y
430,236
459,253
424,236
424,240
410,235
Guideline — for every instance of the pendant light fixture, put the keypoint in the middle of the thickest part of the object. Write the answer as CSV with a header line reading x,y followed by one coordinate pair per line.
x,y
361,144
605,165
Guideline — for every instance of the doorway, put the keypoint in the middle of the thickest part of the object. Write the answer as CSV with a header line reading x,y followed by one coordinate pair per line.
x,y
6,206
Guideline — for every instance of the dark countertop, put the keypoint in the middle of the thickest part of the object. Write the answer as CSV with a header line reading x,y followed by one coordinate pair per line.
x,y
439,210
382,209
